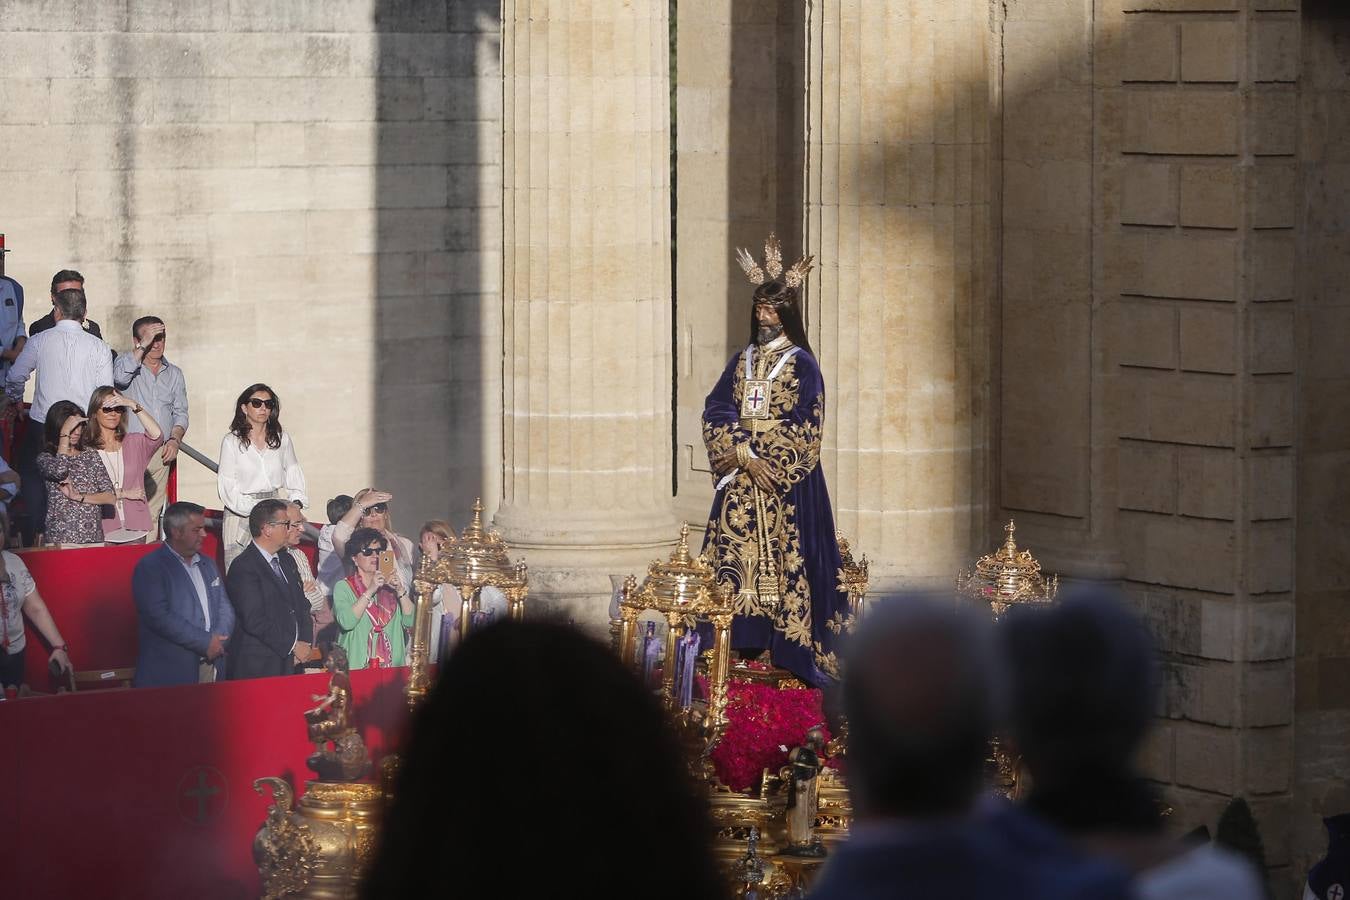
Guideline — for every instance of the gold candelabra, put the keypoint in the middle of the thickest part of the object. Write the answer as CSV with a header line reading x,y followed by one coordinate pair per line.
x,y
1007,576
478,558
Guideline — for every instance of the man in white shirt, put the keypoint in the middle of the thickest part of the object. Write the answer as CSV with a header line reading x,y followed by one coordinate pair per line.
x,y
70,364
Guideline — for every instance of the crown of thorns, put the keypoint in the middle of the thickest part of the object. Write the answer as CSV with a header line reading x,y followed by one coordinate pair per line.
x,y
773,264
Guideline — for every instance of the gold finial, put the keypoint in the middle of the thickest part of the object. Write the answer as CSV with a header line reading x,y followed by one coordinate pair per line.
x,y
474,530
681,554
1009,544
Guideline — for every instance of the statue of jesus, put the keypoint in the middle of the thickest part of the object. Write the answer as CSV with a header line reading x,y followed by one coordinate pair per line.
x,y
771,530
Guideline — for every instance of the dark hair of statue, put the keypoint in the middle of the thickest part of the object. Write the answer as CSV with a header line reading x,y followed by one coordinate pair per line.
x,y
786,301
240,426
536,736
57,414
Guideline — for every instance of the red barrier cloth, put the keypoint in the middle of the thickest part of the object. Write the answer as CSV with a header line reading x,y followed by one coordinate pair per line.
x,y
149,793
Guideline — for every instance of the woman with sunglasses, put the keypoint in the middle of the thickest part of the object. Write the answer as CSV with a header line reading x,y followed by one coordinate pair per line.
x,y
77,482
125,457
373,612
257,462
370,509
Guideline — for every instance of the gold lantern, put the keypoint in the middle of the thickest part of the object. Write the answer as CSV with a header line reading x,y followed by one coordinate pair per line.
x,y
1006,577
684,590
477,559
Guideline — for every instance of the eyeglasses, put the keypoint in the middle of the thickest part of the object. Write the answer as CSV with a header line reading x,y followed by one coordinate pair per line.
x,y
296,525
259,403
369,551
282,523
377,508
110,409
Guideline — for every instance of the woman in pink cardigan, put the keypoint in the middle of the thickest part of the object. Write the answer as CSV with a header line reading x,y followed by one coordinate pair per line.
x,y
125,457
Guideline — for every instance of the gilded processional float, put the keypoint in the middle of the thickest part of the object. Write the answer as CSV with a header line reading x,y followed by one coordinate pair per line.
x,y
775,825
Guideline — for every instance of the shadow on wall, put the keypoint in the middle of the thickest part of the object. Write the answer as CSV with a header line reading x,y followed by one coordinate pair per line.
x,y
437,397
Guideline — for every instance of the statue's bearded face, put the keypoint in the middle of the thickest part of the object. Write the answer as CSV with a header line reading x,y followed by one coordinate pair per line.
x,y
770,325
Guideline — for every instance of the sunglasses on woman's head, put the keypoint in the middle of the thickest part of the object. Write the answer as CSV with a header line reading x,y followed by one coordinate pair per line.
x,y
369,551
259,403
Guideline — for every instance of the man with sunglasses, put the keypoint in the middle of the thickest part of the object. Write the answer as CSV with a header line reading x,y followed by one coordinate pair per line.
x,y
144,375
274,632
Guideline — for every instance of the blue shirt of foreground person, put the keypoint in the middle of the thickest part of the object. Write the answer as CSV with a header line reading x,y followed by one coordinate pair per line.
x,y
183,614
916,693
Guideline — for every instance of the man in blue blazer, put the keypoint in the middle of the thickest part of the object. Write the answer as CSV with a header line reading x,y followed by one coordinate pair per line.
x,y
184,615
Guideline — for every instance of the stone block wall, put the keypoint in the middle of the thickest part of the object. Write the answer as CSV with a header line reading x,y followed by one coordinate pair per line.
x,y
1322,548
308,194
1150,226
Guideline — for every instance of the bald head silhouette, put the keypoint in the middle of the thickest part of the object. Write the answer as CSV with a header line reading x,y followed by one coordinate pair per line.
x,y
916,693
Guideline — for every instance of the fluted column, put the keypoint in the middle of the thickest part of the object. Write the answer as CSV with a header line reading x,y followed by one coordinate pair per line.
x,y
898,217
586,293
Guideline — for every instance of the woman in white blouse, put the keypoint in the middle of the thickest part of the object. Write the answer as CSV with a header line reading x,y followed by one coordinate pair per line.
x,y
257,462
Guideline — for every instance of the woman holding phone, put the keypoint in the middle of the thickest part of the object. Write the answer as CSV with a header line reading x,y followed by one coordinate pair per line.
x,y
77,482
257,462
373,606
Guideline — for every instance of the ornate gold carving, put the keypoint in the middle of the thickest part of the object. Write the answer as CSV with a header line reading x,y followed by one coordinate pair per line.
x,y
284,850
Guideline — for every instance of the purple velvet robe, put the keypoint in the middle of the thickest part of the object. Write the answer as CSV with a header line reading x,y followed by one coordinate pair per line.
x,y
798,522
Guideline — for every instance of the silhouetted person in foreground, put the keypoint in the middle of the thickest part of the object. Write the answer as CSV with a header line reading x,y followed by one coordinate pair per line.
x,y
1082,694
538,767
916,693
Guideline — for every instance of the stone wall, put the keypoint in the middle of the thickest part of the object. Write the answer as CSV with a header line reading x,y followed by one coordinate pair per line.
x,y
308,194
1322,548
1147,355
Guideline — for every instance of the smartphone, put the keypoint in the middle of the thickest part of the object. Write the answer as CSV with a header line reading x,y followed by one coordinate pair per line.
x,y
387,564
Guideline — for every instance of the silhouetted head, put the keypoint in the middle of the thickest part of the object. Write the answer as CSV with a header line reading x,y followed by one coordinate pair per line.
x,y
916,692
539,767
1082,691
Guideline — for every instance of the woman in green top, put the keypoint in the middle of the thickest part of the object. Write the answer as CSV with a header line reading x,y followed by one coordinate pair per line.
x,y
373,612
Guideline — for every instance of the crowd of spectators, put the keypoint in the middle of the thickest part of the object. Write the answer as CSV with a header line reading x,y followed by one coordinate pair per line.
x,y
93,452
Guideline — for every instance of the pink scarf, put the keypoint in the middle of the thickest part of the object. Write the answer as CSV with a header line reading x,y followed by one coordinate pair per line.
x,y
381,610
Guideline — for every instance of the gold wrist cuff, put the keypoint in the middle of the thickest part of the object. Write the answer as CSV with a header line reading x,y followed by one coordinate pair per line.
x,y
743,455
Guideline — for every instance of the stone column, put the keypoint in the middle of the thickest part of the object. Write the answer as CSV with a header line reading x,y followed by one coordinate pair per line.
x,y
898,217
586,294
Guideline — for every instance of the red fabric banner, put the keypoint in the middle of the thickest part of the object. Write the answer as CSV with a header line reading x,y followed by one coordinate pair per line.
x,y
149,793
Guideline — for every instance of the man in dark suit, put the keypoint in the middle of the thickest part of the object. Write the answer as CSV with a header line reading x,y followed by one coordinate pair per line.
x,y
274,630
184,616
917,696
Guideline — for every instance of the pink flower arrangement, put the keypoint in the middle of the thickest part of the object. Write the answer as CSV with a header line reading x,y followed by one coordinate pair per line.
x,y
765,723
